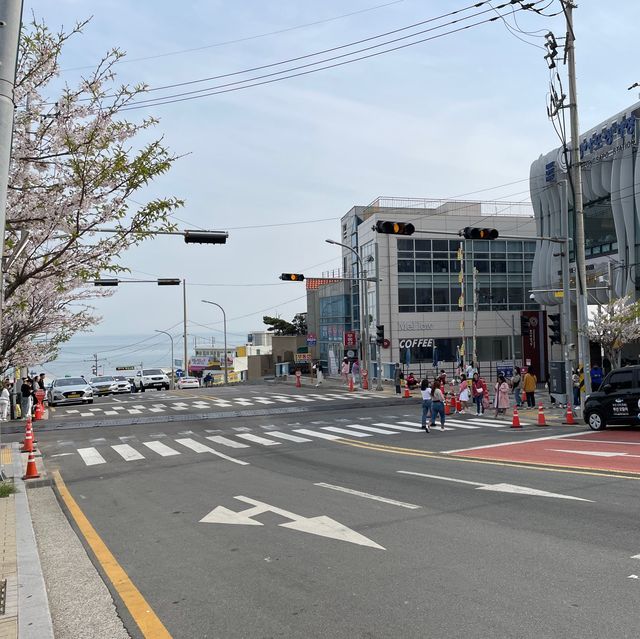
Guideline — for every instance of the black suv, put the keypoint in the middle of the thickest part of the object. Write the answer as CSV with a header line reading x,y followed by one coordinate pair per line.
x,y
617,401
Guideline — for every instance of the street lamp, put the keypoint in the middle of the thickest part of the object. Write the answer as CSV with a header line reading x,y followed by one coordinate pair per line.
x,y
224,326
364,307
171,338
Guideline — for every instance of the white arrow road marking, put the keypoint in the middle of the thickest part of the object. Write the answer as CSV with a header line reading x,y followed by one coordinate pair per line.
x,y
358,493
322,526
633,577
498,488
634,556
594,453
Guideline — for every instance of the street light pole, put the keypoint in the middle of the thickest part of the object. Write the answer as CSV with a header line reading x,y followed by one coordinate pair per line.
x,y
224,327
185,363
171,338
364,305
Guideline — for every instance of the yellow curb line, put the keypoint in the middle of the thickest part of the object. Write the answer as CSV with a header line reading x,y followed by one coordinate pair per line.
x,y
142,613
412,452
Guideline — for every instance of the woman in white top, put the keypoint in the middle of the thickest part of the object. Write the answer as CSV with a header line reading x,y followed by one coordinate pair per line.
x,y
425,389
4,403
464,394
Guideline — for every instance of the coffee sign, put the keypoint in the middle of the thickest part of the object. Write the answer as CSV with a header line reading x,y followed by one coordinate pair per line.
x,y
416,342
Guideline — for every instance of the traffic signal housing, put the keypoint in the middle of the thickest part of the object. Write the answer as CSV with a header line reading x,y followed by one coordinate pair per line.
x,y
555,328
292,277
472,233
395,228
524,326
379,334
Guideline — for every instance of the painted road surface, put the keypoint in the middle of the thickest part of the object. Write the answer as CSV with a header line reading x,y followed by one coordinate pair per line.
x,y
611,450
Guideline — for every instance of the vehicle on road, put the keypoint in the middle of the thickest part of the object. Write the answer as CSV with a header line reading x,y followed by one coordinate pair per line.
x,y
124,385
188,382
69,390
617,402
150,378
104,385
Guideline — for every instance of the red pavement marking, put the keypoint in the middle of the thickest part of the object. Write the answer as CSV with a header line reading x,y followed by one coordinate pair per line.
x,y
553,451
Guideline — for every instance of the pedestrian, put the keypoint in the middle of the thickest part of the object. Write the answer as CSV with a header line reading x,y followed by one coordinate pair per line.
x,y
41,382
471,369
443,379
516,380
344,371
355,372
25,397
464,394
575,383
397,378
502,396
425,390
477,389
437,404
317,367
4,402
596,377
529,385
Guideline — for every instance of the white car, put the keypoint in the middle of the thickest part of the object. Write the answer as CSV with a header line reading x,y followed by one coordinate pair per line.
x,y
67,390
188,382
124,385
150,378
105,385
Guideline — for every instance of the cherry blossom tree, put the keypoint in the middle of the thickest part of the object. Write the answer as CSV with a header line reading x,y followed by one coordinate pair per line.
x,y
77,164
613,325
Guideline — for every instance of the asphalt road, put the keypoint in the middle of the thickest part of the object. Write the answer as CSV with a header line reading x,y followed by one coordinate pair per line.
x,y
445,552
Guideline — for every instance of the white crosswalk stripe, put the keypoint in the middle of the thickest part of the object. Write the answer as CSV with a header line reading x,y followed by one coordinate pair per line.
x,y
344,431
314,433
162,449
225,441
372,429
419,425
496,423
395,426
258,440
203,448
287,436
91,456
461,424
128,453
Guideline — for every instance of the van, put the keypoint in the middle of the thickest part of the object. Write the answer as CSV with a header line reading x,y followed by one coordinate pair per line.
x,y
616,402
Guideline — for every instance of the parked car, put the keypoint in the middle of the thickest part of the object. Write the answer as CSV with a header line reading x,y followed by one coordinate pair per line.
x,y
124,385
150,378
105,385
188,382
68,390
617,402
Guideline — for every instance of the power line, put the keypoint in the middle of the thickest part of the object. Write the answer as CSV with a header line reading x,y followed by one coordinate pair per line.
x,y
216,90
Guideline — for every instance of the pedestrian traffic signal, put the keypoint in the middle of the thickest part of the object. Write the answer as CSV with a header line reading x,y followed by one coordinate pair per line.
x,y
395,228
472,233
524,326
292,277
380,334
555,330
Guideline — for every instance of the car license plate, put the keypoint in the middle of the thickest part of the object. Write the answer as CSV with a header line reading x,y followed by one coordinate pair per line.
x,y
72,395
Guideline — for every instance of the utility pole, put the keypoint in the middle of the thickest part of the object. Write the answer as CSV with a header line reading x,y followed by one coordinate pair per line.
x,y
95,364
185,363
10,22
379,386
475,316
566,293
576,174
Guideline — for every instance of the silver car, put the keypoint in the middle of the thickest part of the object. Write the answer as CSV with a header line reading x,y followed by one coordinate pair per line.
x,y
104,385
68,390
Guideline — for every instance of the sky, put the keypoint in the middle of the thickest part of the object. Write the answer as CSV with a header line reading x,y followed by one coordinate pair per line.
x,y
455,116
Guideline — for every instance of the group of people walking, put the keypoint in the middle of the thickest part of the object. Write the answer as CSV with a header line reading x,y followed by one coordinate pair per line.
x,y
28,389
475,387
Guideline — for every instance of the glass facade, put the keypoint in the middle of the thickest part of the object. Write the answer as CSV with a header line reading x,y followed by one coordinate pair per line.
x,y
429,275
334,320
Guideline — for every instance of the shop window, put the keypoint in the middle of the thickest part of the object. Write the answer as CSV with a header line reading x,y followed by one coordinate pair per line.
x,y
405,266
406,296
423,266
440,266
514,267
423,245
498,266
405,245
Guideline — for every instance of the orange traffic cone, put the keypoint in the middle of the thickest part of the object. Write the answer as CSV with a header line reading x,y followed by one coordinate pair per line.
x,y
570,421
447,407
298,381
515,422
458,405
351,387
407,393
524,397
27,444
32,471
541,420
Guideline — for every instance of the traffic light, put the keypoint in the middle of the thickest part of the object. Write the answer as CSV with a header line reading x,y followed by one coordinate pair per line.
x,y
205,237
524,326
112,282
168,281
555,330
379,333
292,277
395,228
471,233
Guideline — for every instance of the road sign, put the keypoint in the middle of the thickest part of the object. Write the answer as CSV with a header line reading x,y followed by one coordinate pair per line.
x,y
350,338
321,525
302,357
311,339
179,373
125,368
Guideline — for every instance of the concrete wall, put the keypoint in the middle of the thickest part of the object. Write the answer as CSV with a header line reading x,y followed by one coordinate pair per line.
x,y
259,366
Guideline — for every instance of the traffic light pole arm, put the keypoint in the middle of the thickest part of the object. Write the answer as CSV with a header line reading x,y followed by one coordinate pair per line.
x,y
558,240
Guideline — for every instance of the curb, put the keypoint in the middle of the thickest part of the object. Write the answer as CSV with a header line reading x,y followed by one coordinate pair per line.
x,y
34,617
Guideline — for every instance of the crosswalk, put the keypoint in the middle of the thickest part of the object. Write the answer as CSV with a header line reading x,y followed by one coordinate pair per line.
x,y
176,404
131,449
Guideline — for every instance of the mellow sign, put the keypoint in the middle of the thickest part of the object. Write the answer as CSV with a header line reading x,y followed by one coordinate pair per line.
x,y
413,342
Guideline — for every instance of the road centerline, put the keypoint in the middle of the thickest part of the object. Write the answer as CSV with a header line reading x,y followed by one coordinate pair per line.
x,y
358,493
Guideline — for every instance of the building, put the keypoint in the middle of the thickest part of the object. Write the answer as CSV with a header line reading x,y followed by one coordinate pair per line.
x,y
424,293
